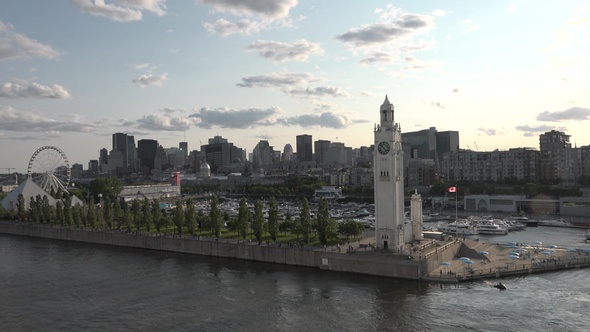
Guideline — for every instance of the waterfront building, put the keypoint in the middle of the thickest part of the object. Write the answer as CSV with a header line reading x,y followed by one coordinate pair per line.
x,y
468,165
388,182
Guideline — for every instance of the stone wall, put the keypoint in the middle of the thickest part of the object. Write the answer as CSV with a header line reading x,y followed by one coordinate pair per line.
x,y
370,263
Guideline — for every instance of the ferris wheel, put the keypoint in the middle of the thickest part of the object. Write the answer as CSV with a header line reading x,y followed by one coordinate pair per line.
x,y
50,169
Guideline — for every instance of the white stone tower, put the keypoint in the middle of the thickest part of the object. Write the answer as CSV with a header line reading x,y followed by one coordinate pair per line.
x,y
388,181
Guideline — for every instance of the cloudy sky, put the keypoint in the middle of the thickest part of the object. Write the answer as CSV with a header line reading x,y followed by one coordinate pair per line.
x,y
74,72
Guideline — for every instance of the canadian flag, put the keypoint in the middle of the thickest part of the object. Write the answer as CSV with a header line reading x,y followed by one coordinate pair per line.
x,y
452,189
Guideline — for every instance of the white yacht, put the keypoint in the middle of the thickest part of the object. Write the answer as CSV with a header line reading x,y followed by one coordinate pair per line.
x,y
491,229
459,228
555,223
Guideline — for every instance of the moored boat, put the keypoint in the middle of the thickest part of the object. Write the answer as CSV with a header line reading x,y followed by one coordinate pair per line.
x,y
458,228
555,223
489,228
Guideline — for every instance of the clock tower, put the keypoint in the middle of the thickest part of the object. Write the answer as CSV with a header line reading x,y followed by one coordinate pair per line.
x,y
388,181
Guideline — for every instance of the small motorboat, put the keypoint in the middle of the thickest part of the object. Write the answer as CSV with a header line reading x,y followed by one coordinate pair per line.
x,y
500,286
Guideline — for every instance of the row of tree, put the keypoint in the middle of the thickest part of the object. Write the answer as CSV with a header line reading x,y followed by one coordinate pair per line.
x,y
184,218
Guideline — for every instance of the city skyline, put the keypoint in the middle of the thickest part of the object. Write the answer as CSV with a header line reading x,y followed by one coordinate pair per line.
x,y
499,73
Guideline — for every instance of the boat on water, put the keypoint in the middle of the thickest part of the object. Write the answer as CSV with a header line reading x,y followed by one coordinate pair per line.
x,y
490,228
524,220
459,228
555,223
500,286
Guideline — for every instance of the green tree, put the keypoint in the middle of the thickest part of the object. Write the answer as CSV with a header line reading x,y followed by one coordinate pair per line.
x,y
47,209
136,213
67,209
305,221
190,218
35,209
128,219
201,220
179,217
273,218
59,213
350,228
91,213
323,224
109,187
215,217
118,215
258,220
108,214
146,214
77,214
21,209
157,215
243,222
531,190
288,225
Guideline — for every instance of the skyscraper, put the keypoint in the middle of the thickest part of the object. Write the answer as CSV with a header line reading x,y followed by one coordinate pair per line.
x,y
321,151
147,149
184,147
304,148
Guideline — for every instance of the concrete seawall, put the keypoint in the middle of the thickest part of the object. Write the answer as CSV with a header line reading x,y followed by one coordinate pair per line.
x,y
370,263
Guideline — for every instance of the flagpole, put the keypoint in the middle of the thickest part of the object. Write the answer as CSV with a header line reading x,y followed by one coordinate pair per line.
x,y
456,212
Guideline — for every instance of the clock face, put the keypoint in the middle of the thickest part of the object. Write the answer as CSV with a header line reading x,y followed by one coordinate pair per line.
x,y
383,147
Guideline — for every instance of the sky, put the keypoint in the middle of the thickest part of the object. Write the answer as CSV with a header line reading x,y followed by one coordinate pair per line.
x,y
501,73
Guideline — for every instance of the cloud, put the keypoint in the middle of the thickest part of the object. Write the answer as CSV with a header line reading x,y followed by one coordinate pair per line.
x,y
404,25
294,84
574,113
24,89
392,39
530,131
12,120
159,122
267,9
488,131
140,65
324,120
286,79
15,46
241,119
169,111
147,80
469,26
226,28
437,104
319,91
121,10
367,94
378,56
300,50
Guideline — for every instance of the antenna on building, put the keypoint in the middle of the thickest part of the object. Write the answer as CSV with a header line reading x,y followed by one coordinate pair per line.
x,y
476,148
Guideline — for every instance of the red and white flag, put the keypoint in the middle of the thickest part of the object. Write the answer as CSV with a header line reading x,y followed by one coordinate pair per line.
x,y
452,189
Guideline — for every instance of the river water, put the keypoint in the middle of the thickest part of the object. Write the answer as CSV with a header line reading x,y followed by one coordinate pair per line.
x,y
64,286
